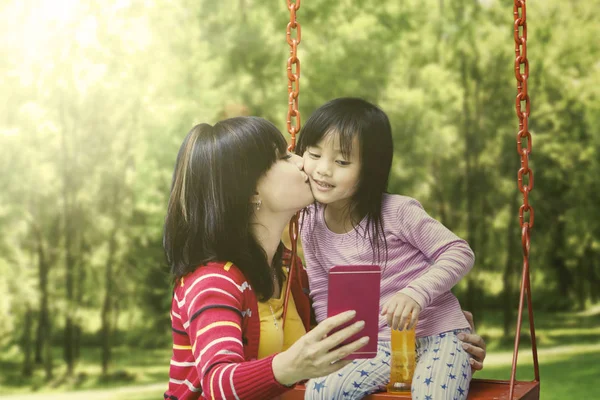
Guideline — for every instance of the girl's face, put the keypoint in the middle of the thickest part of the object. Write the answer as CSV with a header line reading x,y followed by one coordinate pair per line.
x,y
284,187
333,177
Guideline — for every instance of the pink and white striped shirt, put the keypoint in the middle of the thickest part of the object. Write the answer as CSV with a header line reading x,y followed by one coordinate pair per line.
x,y
425,260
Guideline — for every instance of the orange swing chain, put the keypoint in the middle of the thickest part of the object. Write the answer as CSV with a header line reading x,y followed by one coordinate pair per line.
x,y
524,146
293,74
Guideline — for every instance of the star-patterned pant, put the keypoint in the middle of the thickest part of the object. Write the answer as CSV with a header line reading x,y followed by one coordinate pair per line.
x,y
442,372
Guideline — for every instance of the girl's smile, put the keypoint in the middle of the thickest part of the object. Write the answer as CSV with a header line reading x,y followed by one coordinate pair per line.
x,y
321,185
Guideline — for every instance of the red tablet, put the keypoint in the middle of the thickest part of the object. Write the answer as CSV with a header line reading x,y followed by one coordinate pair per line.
x,y
356,287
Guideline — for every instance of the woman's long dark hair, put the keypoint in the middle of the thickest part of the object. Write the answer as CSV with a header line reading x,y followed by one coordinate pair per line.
x,y
209,212
349,118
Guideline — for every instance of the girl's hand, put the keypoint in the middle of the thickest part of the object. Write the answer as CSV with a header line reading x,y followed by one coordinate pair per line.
x,y
401,309
312,355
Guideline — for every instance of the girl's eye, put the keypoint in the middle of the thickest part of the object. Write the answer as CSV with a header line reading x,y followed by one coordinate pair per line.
x,y
343,163
287,156
313,155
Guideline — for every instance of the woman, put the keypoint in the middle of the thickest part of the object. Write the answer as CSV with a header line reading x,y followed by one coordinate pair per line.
x,y
234,189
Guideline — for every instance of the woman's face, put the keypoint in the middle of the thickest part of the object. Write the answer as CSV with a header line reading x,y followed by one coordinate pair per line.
x,y
284,188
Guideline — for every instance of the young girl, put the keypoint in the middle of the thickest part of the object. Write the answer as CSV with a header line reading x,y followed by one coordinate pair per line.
x,y
347,149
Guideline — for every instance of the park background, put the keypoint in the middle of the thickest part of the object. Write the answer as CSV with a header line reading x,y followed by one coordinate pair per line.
x,y
98,95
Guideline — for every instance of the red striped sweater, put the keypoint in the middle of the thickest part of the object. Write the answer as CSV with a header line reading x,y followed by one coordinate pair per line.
x,y
216,333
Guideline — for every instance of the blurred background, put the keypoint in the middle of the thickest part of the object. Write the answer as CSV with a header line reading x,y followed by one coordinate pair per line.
x,y
97,96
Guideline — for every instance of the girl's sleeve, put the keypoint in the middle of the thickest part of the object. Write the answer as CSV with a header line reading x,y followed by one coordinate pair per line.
x,y
450,256
317,275
212,314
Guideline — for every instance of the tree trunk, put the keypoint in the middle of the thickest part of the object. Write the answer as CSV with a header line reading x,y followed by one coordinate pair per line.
x,y
440,34
116,310
586,272
563,276
69,326
43,327
593,263
107,304
47,350
80,281
68,191
439,194
26,341
69,284
39,338
473,302
77,329
581,282
116,204
511,260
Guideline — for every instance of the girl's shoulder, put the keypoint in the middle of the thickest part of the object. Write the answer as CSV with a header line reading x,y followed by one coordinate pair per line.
x,y
394,204
311,211
310,216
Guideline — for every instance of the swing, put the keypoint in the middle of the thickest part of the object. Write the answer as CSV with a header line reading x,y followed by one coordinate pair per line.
x,y
480,388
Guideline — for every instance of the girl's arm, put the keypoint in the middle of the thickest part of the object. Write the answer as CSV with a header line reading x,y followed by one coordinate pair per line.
x,y
450,256
211,310
317,277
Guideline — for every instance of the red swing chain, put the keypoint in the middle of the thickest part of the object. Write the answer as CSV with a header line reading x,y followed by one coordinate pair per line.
x,y
524,146
293,73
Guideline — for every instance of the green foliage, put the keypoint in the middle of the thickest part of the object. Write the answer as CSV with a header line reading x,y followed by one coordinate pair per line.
x,y
101,94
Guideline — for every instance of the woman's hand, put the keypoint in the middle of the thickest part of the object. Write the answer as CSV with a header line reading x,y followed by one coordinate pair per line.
x,y
312,355
474,344
401,309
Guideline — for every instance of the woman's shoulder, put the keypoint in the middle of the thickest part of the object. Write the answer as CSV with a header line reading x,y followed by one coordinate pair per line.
x,y
286,260
215,274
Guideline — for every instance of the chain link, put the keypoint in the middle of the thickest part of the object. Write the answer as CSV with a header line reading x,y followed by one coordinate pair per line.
x,y
522,105
293,72
524,179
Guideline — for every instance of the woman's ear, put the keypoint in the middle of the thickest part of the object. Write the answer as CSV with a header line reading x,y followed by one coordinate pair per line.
x,y
256,201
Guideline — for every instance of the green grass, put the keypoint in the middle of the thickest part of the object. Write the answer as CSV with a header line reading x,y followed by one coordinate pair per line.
x,y
568,353
552,329
568,345
129,367
562,377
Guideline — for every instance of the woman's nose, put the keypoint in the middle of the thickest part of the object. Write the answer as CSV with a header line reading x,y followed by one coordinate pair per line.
x,y
299,161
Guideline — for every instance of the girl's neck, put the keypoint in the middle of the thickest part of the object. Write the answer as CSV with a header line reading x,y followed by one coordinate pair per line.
x,y
340,218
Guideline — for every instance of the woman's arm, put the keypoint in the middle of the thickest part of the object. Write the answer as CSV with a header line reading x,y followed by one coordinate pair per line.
x,y
475,345
213,320
212,311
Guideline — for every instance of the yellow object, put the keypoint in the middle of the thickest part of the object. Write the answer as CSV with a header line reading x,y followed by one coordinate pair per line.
x,y
272,339
402,360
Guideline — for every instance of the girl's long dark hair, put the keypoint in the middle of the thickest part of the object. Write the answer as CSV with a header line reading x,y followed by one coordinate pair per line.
x,y
209,212
348,118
